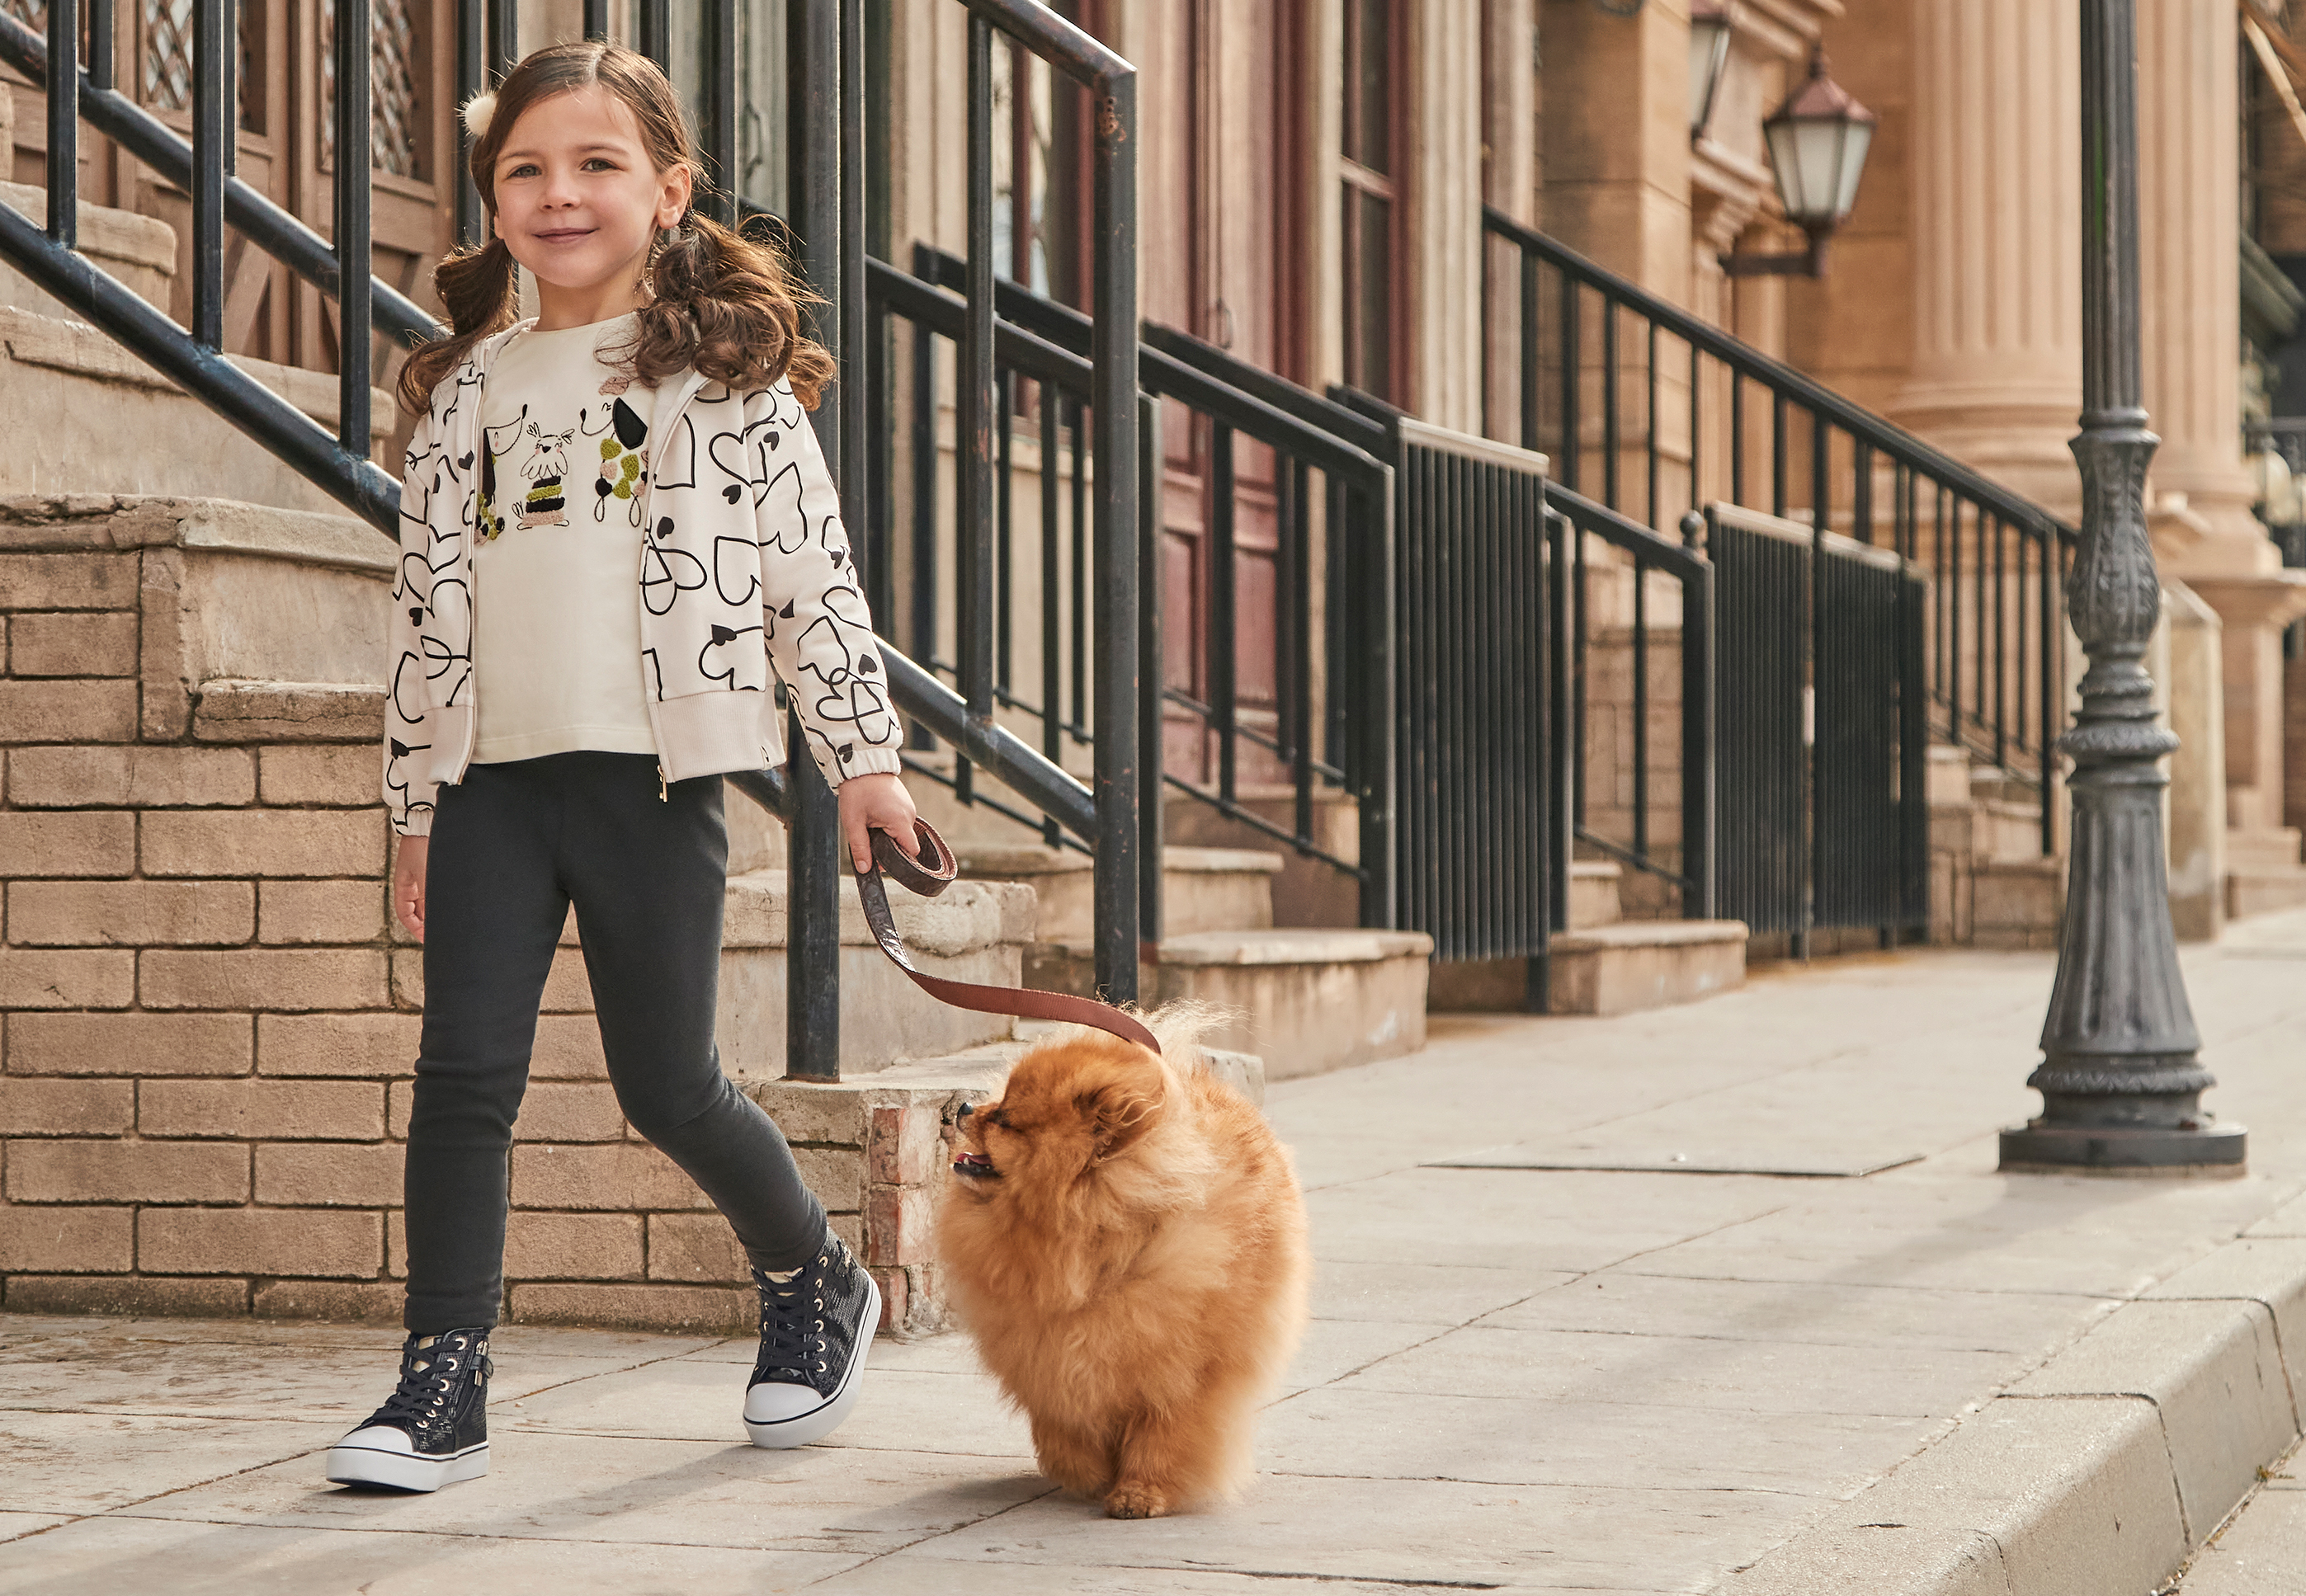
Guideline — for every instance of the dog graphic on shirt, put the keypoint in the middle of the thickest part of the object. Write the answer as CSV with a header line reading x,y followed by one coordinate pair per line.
x,y
545,504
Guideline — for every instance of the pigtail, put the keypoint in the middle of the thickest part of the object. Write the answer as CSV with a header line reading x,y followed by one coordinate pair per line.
x,y
481,289
729,305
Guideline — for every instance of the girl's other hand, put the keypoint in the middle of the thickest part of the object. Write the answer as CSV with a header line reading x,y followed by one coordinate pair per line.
x,y
409,884
876,802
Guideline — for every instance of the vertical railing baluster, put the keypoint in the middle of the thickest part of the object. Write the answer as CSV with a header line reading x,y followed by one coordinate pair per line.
x,y
924,576
209,134
813,869
1529,351
64,121
1651,421
1736,436
2000,645
1149,797
2050,642
472,68
819,44
1641,732
655,28
1778,457
1123,551
1861,491
1821,472
1223,639
1609,400
1076,567
353,42
1981,669
1005,510
1573,377
1696,432
1299,531
974,406
596,19
102,41
1954,608
1053,677
504,39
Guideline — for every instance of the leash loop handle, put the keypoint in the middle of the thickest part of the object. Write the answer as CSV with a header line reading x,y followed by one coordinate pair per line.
x,y
930,868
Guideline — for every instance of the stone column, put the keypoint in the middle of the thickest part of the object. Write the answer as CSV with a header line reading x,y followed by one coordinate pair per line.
x,y
2204,532
1995,205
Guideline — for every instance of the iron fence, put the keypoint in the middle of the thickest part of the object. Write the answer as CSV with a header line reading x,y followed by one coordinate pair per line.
x,y
1657,414
828,86
1825,738
1327,499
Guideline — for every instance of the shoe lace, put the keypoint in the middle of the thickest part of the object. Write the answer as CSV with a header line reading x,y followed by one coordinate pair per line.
x,y
790,1321
428,1377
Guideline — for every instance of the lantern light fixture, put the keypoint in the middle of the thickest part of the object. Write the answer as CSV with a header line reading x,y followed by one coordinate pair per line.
x,y
1817,141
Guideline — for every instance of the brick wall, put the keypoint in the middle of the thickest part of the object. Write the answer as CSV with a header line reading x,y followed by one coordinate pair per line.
x,y
207,1023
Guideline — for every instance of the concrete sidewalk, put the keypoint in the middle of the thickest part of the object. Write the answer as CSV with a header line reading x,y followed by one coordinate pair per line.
x,y
1647,1371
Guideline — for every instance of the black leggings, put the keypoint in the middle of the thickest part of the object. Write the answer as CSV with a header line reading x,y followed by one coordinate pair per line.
x,y
512,847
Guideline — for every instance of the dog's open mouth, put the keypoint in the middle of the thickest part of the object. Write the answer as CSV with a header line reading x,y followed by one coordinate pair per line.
x,y
976,1164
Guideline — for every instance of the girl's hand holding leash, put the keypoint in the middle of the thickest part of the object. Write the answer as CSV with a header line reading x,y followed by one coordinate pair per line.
x,y
409,884
877,801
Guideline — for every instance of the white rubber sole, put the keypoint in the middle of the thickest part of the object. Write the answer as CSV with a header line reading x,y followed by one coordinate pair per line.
x,y
818,1424
373,1465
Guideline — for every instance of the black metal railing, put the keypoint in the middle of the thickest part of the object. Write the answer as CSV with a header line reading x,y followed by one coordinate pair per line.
x,y
1825,819
828,84
1655,414
1259,447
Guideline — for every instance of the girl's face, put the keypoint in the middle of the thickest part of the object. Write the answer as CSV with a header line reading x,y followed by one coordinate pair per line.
x,y
579,200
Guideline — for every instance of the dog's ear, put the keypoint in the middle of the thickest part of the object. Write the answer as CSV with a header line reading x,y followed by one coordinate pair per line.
x,y
1120,1112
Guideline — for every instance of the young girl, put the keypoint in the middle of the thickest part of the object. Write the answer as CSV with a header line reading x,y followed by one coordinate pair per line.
x,y
616,518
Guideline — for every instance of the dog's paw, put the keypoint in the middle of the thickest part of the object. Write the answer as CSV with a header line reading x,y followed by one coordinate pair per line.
x,y
1137,1500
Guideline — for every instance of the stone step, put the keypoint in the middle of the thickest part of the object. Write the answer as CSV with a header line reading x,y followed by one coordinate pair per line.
x,y
1305,1001
2263,890
85,416
2017,902
1593,894
1202,889
2272,849
1645,964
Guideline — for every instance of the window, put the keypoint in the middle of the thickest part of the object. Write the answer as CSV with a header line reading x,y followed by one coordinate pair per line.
x,y
1370,163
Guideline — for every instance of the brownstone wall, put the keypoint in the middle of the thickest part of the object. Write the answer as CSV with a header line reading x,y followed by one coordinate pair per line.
x,y
208,1024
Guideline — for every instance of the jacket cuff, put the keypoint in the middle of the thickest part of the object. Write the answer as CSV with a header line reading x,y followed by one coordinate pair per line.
x,y
862,761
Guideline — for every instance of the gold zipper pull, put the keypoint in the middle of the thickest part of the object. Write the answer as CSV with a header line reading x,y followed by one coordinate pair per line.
x,y
663,795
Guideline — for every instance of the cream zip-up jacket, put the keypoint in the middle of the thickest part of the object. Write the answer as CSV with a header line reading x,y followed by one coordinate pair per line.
x,y
744,571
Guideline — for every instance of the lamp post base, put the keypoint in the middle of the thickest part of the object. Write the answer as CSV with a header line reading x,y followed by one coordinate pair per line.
x,y
2210,1149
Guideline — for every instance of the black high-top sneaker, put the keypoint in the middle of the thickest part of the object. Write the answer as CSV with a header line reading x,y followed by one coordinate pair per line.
x,y
815,1330
433,1430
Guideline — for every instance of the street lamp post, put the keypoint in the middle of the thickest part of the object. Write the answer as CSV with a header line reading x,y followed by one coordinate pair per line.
x,y
2120,1082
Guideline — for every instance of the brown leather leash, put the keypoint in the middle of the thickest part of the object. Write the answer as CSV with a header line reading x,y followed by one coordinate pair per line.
x,y
929,873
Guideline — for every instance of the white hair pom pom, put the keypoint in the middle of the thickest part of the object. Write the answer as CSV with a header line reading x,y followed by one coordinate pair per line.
x,y
478,111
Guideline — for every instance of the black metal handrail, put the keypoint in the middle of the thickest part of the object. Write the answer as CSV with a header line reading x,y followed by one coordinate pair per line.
x,y
1997,561
1042,342
830,228
1694,869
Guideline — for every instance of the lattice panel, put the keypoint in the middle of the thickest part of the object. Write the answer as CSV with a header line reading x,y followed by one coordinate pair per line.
x,y
167,74
395,117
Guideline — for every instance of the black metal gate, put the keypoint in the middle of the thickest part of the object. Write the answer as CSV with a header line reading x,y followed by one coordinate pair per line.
x,y
1823,731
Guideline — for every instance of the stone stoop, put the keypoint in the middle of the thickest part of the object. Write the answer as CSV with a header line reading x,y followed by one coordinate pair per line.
x,y
1306,1000
1645,964
1202,889
1989,884
1594,898
2264,872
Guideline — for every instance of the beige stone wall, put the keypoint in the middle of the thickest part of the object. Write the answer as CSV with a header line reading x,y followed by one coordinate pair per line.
x,y
208,1025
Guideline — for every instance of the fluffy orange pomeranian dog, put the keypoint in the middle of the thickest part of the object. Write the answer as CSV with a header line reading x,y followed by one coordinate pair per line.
x,y
1125,1240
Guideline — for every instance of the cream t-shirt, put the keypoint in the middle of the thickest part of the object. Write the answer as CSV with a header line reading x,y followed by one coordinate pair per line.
x,y
556,569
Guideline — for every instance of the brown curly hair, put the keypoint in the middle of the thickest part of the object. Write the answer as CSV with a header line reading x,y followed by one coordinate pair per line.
x,y
720,300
